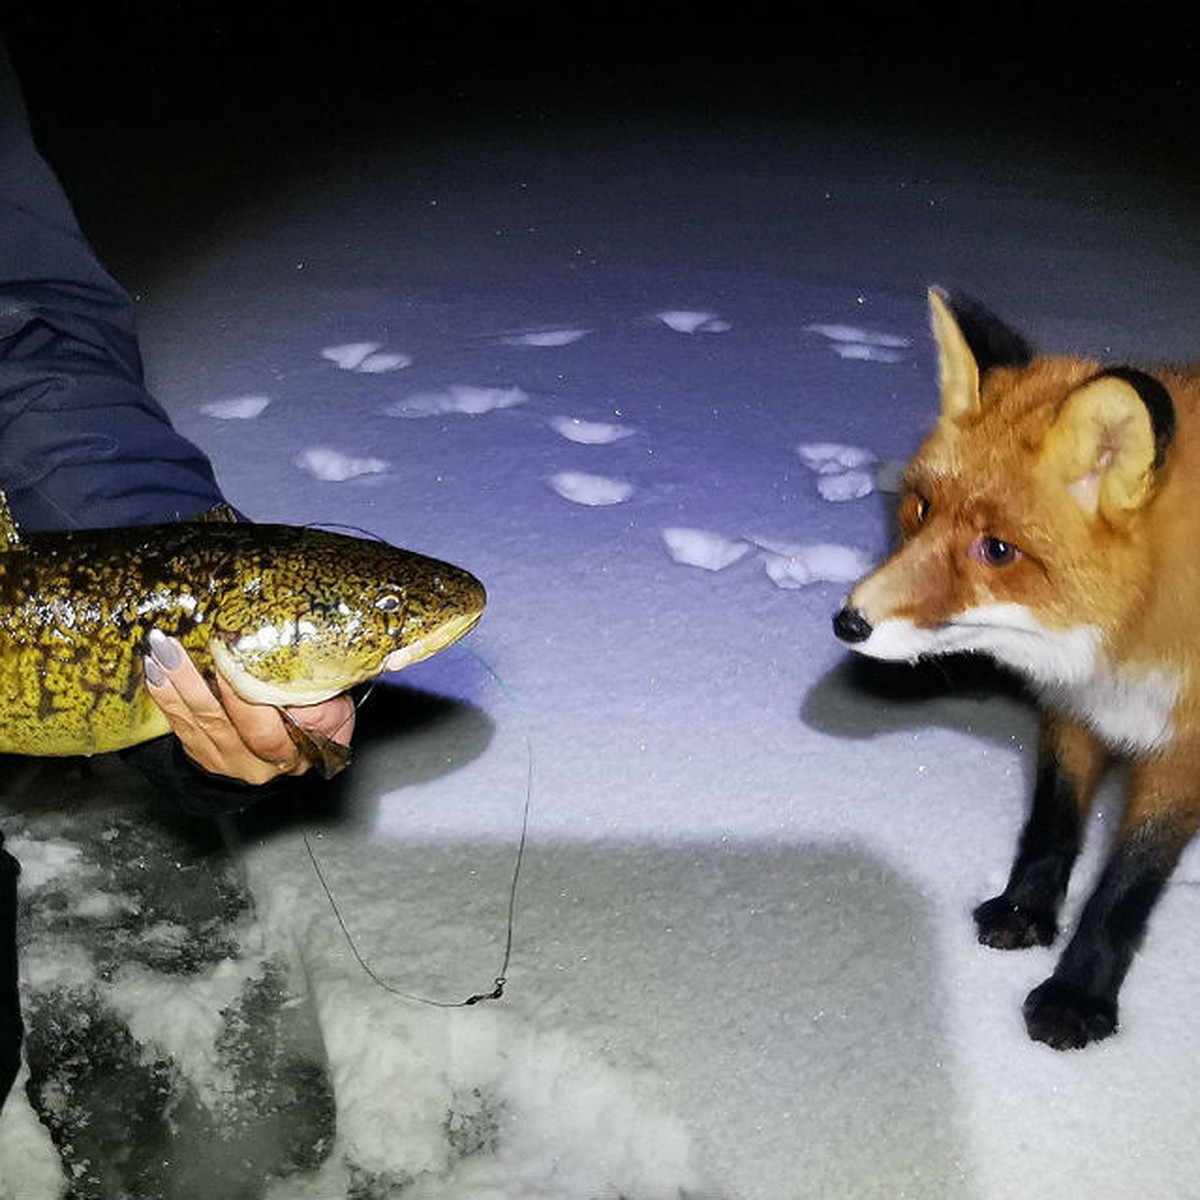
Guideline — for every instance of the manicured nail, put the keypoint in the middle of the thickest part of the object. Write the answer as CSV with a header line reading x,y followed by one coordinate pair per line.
x,y
167,650
155,675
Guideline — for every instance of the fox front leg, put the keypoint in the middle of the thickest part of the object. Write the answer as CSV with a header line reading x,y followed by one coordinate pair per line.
x,y
1078,1003
1026,913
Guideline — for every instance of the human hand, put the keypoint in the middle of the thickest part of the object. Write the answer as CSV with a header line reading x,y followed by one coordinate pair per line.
x,y
227,735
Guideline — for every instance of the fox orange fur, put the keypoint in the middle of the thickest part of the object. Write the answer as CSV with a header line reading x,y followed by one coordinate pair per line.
x,y
1051,520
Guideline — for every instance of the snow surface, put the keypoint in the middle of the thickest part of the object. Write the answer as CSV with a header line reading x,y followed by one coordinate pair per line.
x,y
743,964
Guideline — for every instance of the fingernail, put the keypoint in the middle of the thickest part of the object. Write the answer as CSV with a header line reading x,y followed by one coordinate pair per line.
x,y
155,675
167,650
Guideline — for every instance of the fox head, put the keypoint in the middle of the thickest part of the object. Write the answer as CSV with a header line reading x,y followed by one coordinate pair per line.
x,y
1020,516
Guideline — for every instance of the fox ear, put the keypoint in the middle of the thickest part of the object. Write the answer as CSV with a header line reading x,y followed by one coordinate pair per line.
x,y
1110,437
971,341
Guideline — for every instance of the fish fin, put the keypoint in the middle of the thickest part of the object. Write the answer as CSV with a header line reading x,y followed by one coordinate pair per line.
x,y
329,757
9,534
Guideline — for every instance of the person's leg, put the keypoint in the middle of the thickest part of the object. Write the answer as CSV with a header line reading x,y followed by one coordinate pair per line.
x,y
82,443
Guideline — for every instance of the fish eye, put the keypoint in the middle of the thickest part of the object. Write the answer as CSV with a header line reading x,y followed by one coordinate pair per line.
x,y
994,551
388,604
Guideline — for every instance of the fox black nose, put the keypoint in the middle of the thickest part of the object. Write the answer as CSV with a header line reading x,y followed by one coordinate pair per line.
x,y
851,626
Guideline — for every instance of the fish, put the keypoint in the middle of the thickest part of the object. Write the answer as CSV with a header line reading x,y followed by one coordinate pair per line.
x,y
288,615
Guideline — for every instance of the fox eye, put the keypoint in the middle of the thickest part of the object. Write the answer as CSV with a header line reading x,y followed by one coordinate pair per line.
x,y
914,510
994,551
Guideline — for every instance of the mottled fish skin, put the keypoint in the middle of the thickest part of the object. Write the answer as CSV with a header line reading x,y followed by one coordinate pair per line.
x,y
290,615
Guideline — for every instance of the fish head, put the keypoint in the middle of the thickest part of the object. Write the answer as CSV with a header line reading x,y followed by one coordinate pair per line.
x,y
313,613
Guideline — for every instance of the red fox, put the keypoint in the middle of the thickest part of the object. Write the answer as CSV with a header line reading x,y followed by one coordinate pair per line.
x,y
1051,520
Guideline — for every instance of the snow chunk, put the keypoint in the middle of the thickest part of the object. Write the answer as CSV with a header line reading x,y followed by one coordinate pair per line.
x,y
831,458
684,321
844,472
796,566
544,337
458,398
236,408
368,358
862,337
384,360
332,466
700,548
350,356
589,433
42,860
594,490
868,345
849,485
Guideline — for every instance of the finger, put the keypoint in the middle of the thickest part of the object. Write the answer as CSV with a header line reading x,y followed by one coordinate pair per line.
x,y
176,684
261,730
198,719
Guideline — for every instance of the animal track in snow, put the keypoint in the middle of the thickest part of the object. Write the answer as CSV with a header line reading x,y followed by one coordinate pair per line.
x,y
236,408
848,341
458,398
366,358
543,337
701,548
596,491
590,433
332,466
685,321
843,472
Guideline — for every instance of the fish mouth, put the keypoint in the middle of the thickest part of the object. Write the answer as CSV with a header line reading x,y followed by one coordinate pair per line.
x,y
430,643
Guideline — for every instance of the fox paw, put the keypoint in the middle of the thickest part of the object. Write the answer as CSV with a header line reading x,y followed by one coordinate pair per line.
x,y
1067,1019
1004,925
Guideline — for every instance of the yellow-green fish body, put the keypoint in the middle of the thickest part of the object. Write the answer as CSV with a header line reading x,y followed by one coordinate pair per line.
x,y
289,615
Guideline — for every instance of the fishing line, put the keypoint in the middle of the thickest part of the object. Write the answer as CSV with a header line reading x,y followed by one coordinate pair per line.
x,y
501,979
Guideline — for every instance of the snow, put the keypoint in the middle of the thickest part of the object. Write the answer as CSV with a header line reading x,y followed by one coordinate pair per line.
x,y
743,964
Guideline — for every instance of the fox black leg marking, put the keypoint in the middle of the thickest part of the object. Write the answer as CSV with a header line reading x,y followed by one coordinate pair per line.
x,y
1078,1003
1026,912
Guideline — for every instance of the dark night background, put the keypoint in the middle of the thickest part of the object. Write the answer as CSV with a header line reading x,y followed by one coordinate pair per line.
x,y
210,96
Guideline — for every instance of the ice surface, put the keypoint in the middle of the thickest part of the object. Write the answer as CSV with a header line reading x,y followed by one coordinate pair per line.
x,y
743,961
